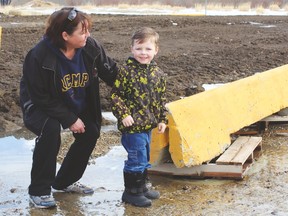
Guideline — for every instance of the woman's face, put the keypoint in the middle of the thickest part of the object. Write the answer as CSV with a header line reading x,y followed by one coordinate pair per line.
x,y
78,38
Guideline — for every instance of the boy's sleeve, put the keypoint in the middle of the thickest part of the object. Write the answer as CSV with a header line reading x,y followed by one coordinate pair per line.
x,y
163,110
118,106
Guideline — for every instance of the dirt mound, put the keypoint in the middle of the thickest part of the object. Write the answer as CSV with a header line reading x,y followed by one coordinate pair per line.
x,y
40,3
197,50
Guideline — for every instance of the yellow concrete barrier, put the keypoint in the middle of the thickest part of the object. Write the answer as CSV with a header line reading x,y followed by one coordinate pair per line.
x,y
159,145
200,125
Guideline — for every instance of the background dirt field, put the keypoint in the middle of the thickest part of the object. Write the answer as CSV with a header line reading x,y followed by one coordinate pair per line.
x,y
193,51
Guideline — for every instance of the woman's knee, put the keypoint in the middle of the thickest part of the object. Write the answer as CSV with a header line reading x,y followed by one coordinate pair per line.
x,y
92,132
37,122
52,127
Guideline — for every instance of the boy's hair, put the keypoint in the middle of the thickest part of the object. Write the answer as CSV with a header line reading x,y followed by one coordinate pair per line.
x,y
143,34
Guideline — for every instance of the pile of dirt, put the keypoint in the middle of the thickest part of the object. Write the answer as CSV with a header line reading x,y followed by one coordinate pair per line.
x,y
193,51
40,3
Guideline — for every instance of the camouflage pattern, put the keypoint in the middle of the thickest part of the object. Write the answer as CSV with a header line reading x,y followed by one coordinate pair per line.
x,y
139,91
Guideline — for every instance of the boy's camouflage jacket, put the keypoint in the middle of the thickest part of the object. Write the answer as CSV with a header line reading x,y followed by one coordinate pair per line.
x,y
139,91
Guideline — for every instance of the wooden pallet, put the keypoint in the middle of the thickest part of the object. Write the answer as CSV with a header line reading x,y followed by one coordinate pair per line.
x,y
233,163
264,123
251,130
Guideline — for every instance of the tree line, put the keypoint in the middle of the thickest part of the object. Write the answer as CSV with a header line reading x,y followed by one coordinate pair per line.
x,y
5,2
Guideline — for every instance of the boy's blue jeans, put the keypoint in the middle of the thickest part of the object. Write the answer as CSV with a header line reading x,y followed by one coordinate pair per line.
x,y
137,146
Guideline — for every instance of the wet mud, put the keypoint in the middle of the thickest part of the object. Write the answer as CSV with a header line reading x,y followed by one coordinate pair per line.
x,y
196,51
263,191
193,50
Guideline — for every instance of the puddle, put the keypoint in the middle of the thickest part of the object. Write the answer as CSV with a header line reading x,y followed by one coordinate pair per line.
x,y
262,25
105,177
263,191
212,86
8,25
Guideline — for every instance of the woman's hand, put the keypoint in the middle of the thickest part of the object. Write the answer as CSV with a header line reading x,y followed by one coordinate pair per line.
x,y
128,121
78,126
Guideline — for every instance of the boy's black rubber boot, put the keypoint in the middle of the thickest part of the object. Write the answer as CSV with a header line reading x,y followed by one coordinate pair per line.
x,y
136,199
148,192
134,188
151,194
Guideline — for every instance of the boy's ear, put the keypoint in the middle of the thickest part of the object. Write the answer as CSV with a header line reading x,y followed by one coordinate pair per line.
x,y
156,50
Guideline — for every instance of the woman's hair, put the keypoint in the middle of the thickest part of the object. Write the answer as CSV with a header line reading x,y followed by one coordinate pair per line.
x,y
65,20
143,34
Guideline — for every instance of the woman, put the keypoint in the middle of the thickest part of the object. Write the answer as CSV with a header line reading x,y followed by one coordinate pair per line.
x,y
60,89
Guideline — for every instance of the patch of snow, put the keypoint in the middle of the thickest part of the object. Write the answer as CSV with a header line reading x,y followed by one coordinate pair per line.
x,y
47,10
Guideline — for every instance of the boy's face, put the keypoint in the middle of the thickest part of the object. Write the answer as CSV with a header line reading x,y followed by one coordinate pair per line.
x,y
144,52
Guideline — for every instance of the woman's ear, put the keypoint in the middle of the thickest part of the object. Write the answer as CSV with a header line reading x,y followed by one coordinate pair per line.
x,y
65,35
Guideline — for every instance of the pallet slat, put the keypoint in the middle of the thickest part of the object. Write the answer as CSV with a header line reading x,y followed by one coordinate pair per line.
x,y
233,163
240,150
247,150
275,118
199,171
230,153
264,123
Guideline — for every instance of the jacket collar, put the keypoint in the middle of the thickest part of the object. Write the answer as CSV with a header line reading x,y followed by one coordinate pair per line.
x,y
131,60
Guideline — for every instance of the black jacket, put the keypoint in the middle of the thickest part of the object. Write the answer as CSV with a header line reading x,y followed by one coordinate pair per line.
x,y
40,85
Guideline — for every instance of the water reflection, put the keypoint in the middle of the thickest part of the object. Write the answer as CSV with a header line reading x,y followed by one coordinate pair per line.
x,y
105,176
15,163
15,160
262,192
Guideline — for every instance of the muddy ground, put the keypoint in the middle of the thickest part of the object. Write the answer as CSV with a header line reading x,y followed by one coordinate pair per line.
x,y
193,51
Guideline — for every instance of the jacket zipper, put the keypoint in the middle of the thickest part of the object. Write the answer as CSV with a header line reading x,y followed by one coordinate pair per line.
x,y
54,80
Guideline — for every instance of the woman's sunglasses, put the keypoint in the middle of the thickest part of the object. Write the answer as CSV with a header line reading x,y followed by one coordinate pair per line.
x,y
72,14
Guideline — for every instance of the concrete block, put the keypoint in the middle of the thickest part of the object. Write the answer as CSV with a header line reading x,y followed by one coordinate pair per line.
x,y
200,125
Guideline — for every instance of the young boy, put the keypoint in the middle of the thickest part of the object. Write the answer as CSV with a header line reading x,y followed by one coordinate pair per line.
x,y
138,102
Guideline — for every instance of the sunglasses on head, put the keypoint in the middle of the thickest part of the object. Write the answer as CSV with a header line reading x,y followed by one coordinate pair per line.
x,y
72,14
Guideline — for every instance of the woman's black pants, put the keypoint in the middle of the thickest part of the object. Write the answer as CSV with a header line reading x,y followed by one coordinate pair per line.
x,y
47,144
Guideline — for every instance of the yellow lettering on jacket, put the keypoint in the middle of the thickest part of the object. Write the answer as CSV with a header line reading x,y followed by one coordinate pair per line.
x,y
74,81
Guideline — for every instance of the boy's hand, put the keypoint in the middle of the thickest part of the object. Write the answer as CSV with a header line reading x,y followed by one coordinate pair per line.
x,y
161,127
128,121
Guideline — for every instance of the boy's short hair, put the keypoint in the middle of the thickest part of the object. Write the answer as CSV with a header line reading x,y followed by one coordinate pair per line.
x,y
143,34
